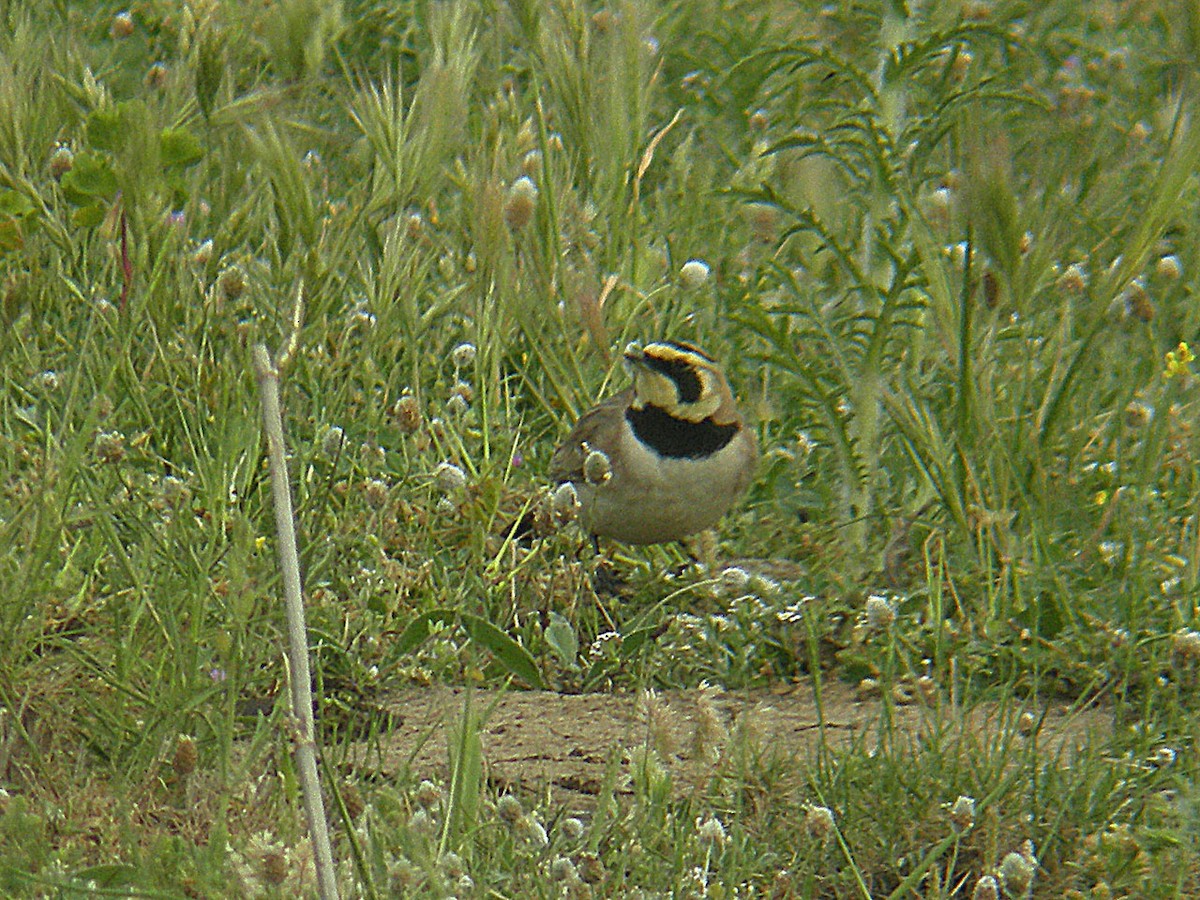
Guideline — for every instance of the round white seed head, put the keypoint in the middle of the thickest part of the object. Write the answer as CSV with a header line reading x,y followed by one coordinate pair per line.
x,y
509,809
597,467
962,813
818,822
1016,872
428,794
463,355
62,160
710,832
332,440
565,503
572,828
520,203
880,613
232,282
457,405
1186,643
122,25
694,273
450,477
376,492
407,412
986,888
202,254
1169,267
562,869
1026,724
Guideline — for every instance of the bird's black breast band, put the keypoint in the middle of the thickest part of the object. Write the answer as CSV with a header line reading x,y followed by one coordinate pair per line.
x,y
678,438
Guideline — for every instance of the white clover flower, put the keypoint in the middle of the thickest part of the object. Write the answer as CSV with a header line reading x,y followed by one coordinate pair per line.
x,y
562,869
428,794
509,809
453,865
1186,643
1169,267
1073,279
532,831
710,832
110,446
818,822
734,579
450,477
520,203
457,405
572,828
463,355
61,161
881,613
332,440
1163,757
376,492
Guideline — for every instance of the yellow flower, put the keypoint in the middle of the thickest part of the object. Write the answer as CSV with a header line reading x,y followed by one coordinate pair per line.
x,y
1101,498
1178,360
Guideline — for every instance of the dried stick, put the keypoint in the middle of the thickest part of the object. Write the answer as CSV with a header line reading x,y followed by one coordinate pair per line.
x,y
299,679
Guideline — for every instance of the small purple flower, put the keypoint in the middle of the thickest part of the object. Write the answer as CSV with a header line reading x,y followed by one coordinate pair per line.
x,y
217,674
518,460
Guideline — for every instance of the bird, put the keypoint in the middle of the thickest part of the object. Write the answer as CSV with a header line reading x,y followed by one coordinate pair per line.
x,y
665,458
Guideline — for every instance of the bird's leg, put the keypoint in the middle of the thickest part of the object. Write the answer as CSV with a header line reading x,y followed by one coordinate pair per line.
x,y
606,581
702,550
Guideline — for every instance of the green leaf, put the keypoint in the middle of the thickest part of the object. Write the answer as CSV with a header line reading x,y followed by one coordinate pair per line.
x,y
210,68
508,652
88,216
106,127
636,640
15,204
562,639
90,177
108,875
11,237
419,629
179,147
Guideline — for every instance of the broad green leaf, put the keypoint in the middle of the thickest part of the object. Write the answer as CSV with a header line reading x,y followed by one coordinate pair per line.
x,y
108,875
90,177
15,204
180,147
419,629
562,639
88,216
508,652
11,237
638,639
106,127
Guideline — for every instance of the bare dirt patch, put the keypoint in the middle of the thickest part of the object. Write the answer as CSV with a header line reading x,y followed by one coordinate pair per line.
x,y
562,744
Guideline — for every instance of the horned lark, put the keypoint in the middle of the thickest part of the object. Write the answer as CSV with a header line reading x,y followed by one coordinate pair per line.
x,y
665,458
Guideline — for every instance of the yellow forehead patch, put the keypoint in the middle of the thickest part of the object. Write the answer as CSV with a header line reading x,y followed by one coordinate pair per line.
x,y
678,378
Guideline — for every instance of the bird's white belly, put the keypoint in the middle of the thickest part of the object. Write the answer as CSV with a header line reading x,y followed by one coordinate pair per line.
x,y
651,499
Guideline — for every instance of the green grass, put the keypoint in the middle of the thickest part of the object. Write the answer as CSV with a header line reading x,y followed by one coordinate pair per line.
x,y
950,252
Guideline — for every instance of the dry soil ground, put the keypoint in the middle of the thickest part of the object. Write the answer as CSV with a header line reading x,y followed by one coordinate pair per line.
x,y
562,745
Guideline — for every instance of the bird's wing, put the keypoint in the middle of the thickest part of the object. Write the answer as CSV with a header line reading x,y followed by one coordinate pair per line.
x,y
567,462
